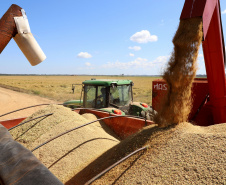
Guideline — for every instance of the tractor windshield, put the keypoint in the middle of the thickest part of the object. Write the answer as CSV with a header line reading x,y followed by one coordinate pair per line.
x,y
121,95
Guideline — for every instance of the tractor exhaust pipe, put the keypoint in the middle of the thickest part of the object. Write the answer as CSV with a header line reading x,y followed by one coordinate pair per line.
x,y
14,24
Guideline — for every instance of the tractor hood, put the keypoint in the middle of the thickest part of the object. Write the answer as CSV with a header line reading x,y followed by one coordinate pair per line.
x,y
73,103
113,110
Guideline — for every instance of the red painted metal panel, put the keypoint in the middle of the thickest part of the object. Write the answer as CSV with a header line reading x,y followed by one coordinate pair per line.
x,y
122,126
210,7
199,91
159,91
193,8
213,49
200,8
11,123
205,116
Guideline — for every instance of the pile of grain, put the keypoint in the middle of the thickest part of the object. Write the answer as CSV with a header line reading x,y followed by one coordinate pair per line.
x,y
180,73
184,154
32,130
68,154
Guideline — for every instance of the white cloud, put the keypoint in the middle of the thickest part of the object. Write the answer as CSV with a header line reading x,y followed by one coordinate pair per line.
x,y
138,63
224,12
161,60
143,36
84,55
135,48
131,54
87,64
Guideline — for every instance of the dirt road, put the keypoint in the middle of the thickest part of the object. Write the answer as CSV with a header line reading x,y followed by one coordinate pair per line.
x,y
12,100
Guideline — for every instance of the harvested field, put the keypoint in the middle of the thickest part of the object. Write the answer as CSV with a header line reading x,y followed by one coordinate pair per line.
x,y
68,154
58,88
182,154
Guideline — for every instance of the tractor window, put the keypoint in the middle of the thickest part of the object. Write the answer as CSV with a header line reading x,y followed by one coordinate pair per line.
x,y
101,97
120,95
89,96
91,100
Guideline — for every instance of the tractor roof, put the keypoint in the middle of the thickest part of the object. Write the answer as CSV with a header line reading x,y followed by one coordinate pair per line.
x,y
106,82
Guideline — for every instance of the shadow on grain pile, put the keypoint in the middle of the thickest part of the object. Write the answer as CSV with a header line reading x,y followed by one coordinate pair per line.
x,y
151,133
181,154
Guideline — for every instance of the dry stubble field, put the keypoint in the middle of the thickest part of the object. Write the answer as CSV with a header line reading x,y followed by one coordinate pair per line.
x,y
59,87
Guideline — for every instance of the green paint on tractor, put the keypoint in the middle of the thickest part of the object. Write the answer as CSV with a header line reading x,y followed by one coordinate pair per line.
x,y
110,96
106,82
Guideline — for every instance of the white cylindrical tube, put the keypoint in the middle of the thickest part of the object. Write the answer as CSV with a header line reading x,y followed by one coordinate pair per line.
x,y
31,49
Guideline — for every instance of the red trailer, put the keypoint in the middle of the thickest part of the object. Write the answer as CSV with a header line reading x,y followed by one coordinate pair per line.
x,y
208,95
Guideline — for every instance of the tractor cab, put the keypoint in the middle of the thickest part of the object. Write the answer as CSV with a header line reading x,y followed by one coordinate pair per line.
x,y
113,96
107,93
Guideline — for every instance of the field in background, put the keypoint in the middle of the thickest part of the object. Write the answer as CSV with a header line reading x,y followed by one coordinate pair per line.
x,y
59,87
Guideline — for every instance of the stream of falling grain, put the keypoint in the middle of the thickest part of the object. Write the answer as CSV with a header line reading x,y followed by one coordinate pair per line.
x,y
180,72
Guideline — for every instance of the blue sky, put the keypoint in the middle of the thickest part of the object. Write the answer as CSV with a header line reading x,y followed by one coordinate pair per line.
x,y
99,37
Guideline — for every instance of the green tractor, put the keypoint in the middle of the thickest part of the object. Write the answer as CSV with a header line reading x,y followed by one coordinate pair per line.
x,y
113,96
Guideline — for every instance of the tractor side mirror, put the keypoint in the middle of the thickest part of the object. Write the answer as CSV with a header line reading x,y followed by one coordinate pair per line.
x,y
73,88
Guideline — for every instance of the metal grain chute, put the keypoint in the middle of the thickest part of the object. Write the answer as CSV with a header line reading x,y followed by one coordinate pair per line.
x,y
14,24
